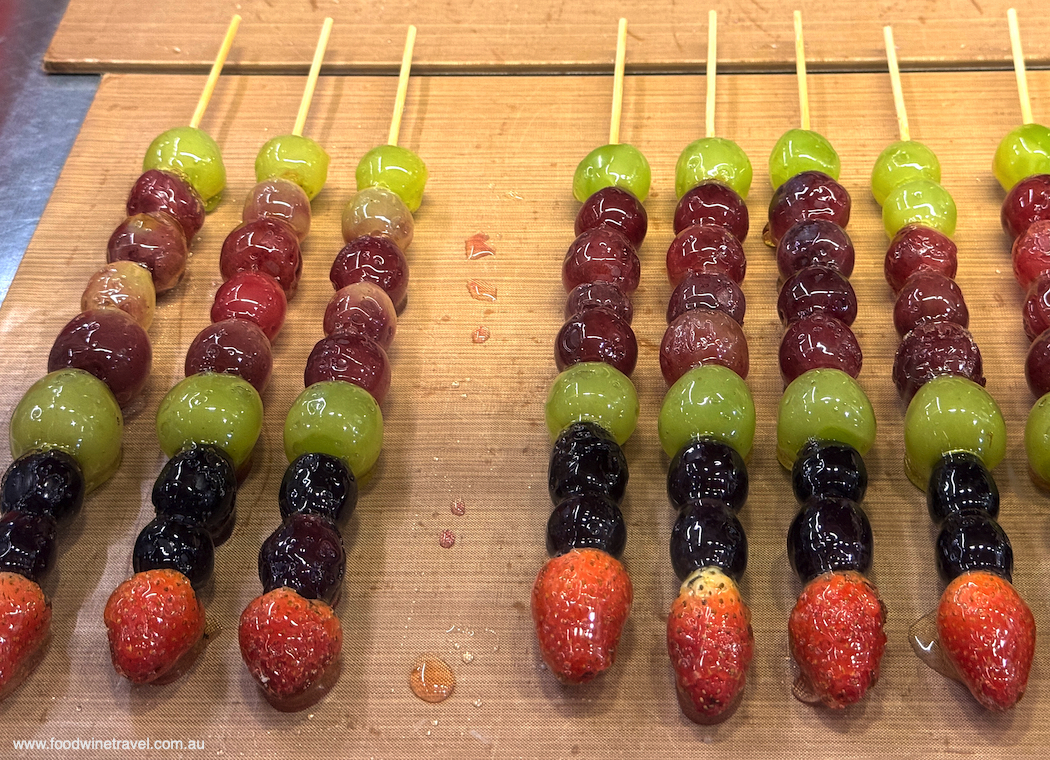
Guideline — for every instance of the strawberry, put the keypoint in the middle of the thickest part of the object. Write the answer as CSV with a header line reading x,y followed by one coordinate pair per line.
x,y
710,643
988,633
837,638
288,642
153,619
580,601
25,626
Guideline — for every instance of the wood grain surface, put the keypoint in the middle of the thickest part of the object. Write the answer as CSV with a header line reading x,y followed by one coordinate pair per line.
x,y
551,35
465,421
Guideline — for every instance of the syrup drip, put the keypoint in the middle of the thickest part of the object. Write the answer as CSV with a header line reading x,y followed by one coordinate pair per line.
x,y
447,539
480,335
481,291
432,680
459,508
924,642
477,247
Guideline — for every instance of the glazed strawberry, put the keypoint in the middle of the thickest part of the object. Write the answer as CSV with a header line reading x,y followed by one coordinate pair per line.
x,y
153,620
288,642
25,626
837,637
579,604
710,643
988,633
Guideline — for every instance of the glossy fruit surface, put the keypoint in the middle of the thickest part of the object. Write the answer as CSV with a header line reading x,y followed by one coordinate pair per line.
x,y
122,285
829,470
707,469
819,341
235,347
601,254
1036,309
161,192
266,246
281,200
960,481
801,150
111,346
198,485
26,613
589,295
1024,151
593,392
929,297
380,212
708,249
713,159
305,553
168,543
211,409
809,195
713,203
351,358
710,401
295,158
917,248
74,411
949,414
700,290
826,405
1031,253
1037,365
363,308
397,169
815,289
708,534
155,242
43,482
1037,441
586,459
252,296
1027,202
815,242
335,418
829,535
318,484
192,154
902,162
931,350
372,259
27,544
618,165
919,201
972,540
617,209
596,335
702,336
586,521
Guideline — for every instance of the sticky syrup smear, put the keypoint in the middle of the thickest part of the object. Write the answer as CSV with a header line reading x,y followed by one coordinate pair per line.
x,y
477,246
459,508
927,647
480,335
446,539
481,291
432,680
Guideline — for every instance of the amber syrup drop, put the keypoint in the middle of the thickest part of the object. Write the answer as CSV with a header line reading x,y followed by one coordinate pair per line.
x,y
432,680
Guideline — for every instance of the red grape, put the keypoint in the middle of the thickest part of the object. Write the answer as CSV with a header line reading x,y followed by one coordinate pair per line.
x,y
1027,202
817,288
703,336
617,209
235,347
371,258
929,297
1031,253
110,345
713,203
705,248
819,341
1036,309
267,246
1037,365
156,242
815,242
253,296
157,191
352,358
707,291
596,335
916,248
933,349
601,255
588,295
362,307
808,195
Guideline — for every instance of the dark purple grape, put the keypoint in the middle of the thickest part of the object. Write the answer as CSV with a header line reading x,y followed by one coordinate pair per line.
x,y
601,255
707,469
808,195
713,203
815,242
170,543
617,209
350,357
43,483
817,288
708,534
318,484
960,481
819,341
586,521
828,469
199,485
232,346
158,191
705,248
589,295
933,349
1027,202
586,459
972,540
918,248
371,258
829,534
27,544
1036,309
703,336
929,297
707,291
596,335
1037,365
305,554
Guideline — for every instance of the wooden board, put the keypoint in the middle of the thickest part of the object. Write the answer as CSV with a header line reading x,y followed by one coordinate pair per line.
x,y
491,35
465,421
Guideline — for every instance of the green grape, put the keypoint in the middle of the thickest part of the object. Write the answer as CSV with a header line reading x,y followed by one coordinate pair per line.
x,y
295,158
920,201
802,150
713,158
397,169
618,165
823,405
593,392
74,411
1023,152
211,408
335,418
902,162
951,413
1037,441
193,155
712,401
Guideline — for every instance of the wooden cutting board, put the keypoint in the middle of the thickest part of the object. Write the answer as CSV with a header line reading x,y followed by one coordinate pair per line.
x,y
491,35
464,421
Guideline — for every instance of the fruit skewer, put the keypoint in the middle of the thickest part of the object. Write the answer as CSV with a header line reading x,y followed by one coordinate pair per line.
x,y
707,422
825,422
290,637
66,431
582,595
208,423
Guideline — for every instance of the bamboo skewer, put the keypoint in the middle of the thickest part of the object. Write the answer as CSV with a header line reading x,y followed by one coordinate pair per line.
x,y
216,69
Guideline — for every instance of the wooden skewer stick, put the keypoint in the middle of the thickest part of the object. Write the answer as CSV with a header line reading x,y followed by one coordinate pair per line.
x,y
800,73
216,69
1019,70
712,57
617,102
311,79
895,82
402,86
